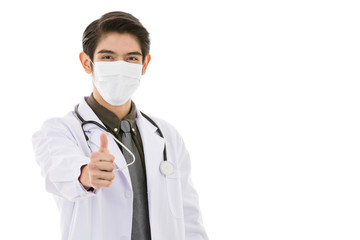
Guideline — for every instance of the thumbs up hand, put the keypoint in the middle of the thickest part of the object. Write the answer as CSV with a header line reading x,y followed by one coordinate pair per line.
x,y
99,172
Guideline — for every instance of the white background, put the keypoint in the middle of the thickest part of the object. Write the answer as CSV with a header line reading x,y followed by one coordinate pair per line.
x,y
265,94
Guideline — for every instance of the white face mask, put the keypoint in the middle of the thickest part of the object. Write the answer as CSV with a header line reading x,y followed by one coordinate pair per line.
x,y
117,81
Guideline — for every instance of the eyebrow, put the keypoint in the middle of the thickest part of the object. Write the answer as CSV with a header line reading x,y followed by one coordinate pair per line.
x,y
112,52
106,51
134,53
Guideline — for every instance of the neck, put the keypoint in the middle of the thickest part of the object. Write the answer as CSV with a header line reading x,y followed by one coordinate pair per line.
x,y
120,111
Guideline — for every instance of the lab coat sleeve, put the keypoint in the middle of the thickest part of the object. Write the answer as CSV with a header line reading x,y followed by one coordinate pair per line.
x,y
194,228
60,159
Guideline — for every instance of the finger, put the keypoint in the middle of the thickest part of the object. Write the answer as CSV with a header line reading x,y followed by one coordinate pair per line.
x,y
106,166
99,183
103,143
108,176
100,156
101,166
103,175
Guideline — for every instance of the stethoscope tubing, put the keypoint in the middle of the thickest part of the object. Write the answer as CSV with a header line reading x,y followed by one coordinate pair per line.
x,y
83,123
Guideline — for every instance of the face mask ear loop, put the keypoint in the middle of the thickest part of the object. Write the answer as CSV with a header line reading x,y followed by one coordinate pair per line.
x,y
132,155
92,74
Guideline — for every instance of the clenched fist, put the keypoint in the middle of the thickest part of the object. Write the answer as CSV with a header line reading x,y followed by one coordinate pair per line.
x,y
99,172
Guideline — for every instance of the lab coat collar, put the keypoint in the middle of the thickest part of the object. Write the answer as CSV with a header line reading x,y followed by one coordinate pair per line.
x,y
142,121
88,114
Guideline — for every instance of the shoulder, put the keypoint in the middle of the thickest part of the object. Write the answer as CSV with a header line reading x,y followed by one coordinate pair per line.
x,y
169,131
63,124
163,125
66,121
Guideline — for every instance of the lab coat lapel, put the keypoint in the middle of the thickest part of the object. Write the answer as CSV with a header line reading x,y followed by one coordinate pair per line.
x,y
153,146
94,132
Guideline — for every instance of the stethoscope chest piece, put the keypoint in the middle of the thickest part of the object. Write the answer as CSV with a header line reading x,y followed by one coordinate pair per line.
x,y
166,168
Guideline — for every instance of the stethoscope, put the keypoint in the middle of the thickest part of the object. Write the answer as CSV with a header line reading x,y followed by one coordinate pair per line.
x,y
166,167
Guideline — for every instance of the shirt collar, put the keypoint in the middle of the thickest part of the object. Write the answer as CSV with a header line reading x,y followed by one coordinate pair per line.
x,y
110,120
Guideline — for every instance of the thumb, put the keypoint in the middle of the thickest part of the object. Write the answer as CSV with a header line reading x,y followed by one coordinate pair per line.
x,y
103,143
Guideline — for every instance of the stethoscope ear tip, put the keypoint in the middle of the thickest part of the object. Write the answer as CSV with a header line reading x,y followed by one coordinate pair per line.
x,y
121,169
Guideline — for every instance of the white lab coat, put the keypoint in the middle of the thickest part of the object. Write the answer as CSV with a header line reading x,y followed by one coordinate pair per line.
x,y
61,149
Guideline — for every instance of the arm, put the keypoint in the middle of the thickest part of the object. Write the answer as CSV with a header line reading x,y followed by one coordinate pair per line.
x,y
194,228
61,160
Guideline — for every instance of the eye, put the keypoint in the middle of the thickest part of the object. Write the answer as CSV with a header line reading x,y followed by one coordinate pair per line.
x,y
133,59
107,57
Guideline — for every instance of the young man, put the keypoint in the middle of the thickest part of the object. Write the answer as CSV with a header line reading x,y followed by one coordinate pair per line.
x,y
116,173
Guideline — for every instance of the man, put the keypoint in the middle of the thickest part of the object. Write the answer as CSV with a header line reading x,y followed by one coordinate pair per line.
x,y
116,173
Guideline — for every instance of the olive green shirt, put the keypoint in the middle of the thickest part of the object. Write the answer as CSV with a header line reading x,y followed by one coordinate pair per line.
x,y
112,123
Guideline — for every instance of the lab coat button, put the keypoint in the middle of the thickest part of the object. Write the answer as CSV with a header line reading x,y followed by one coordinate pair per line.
x,y
124,238
127,194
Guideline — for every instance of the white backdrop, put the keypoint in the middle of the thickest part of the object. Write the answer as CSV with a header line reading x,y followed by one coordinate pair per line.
x,y
264,93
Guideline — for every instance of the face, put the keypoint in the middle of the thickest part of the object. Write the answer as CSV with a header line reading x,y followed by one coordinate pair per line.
x,y
115,47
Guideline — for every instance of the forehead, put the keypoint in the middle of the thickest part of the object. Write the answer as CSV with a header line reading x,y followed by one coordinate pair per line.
x,y
118,42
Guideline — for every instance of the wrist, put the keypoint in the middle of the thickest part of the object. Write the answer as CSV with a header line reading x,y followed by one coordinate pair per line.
x,y
84,177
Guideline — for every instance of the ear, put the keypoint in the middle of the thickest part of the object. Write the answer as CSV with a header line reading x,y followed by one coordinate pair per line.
x,y
85,62
146,63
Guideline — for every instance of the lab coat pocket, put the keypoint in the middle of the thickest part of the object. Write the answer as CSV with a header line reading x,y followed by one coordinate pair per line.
x,y
173,186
